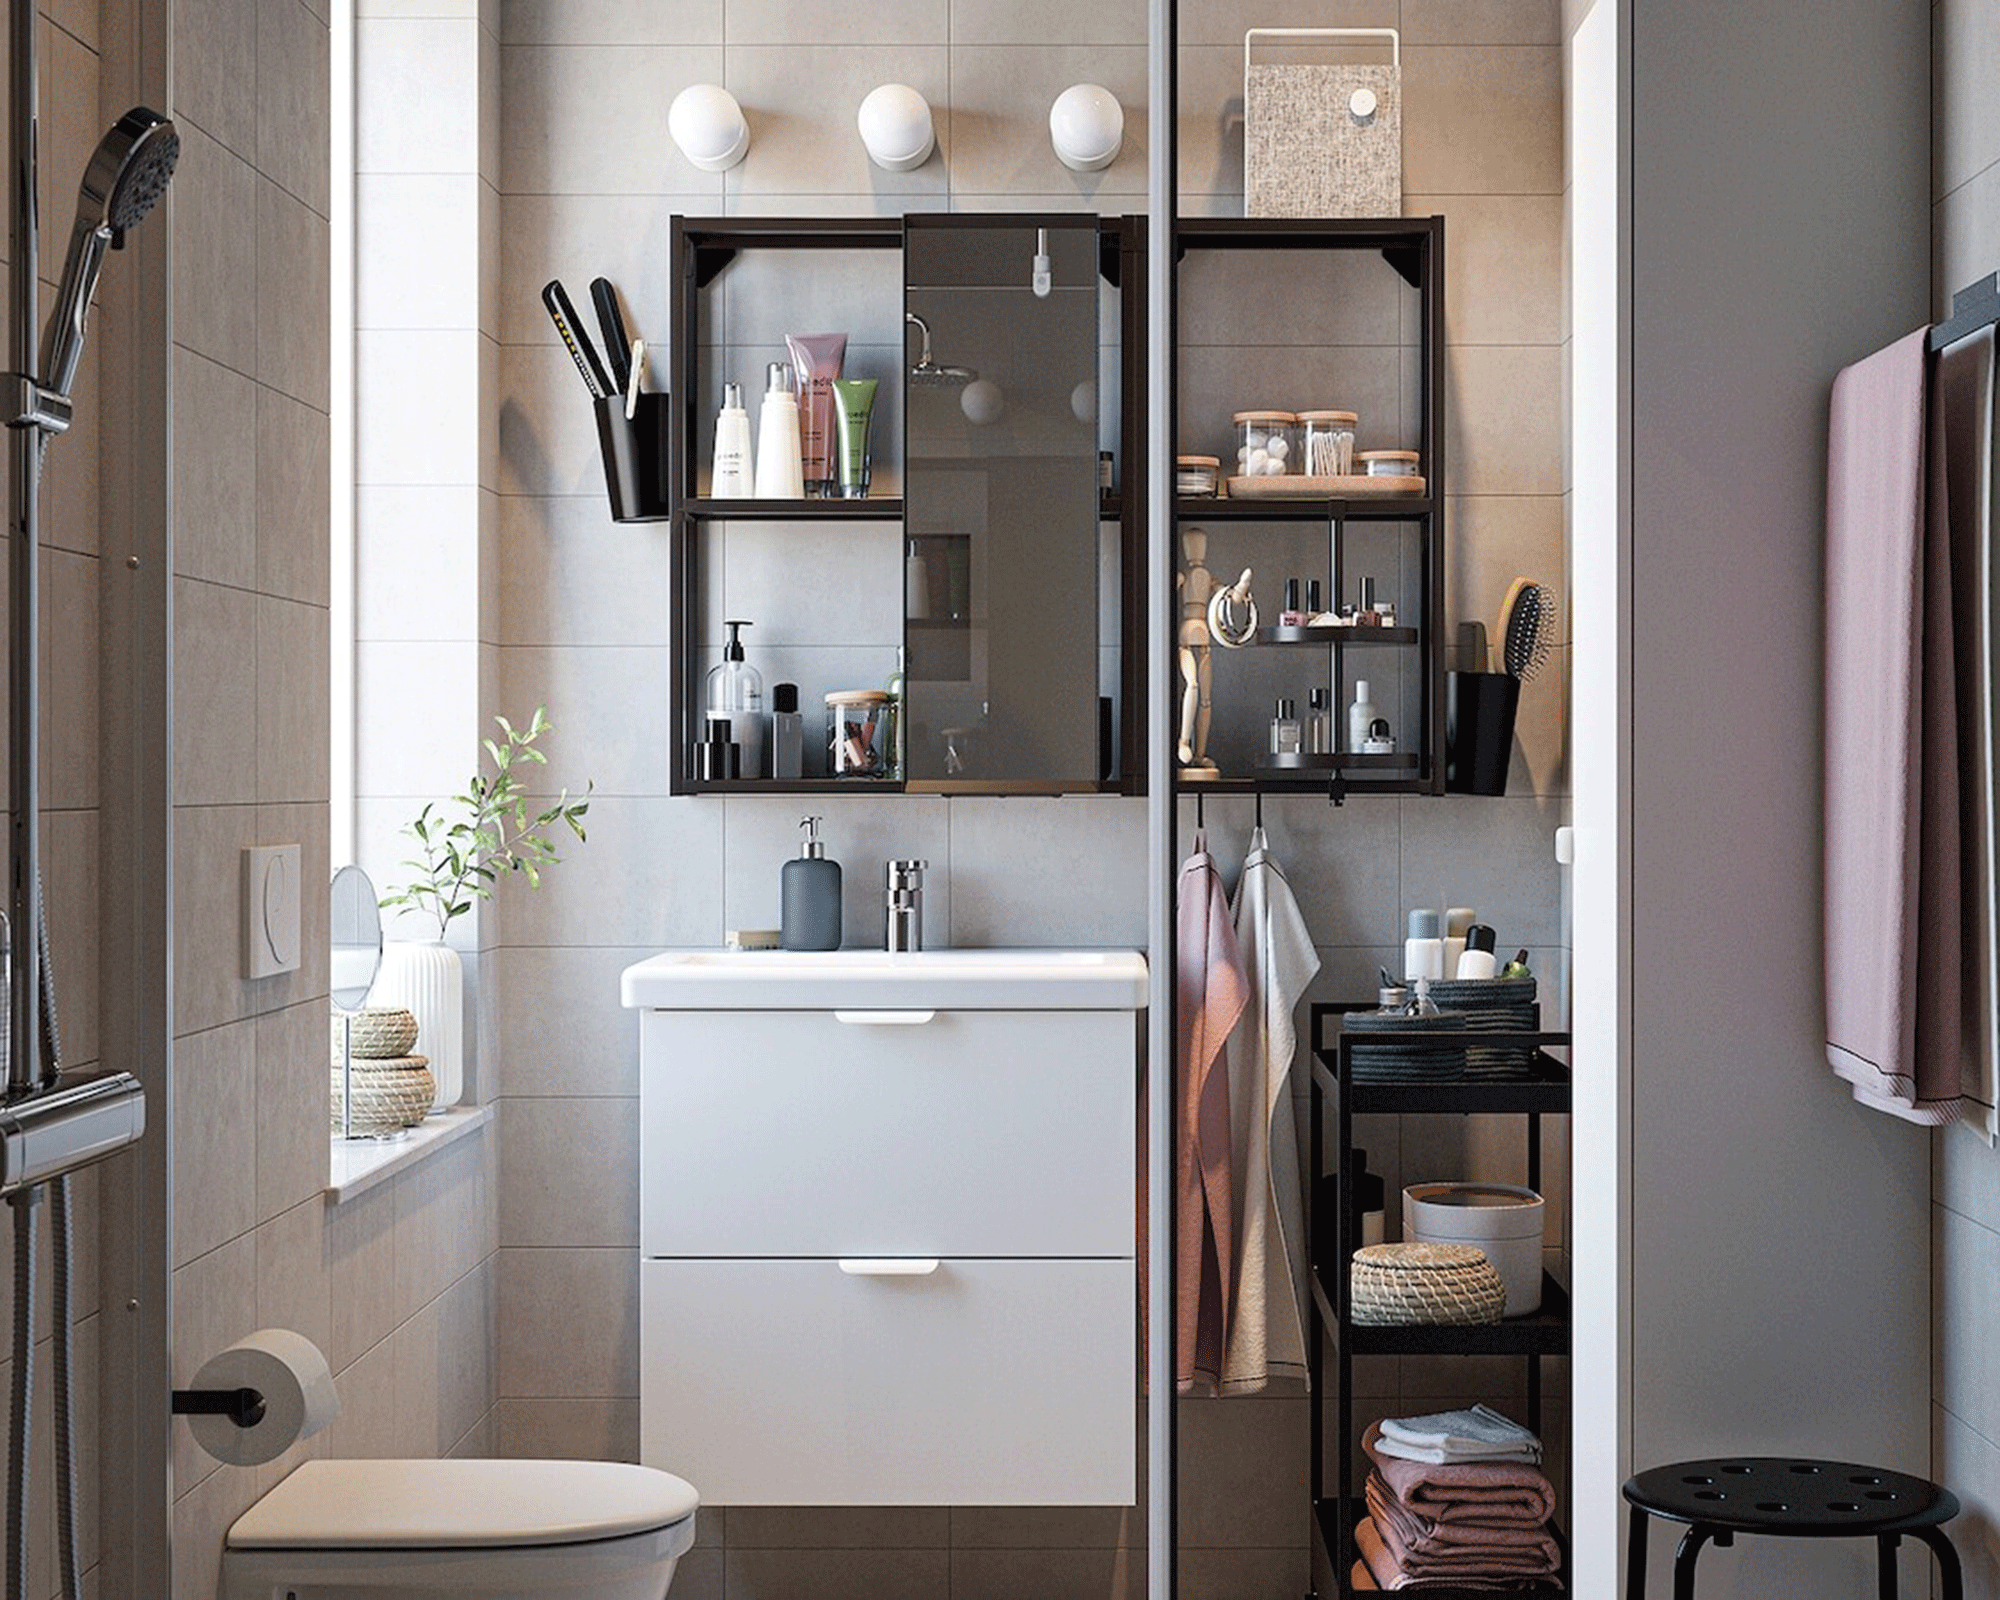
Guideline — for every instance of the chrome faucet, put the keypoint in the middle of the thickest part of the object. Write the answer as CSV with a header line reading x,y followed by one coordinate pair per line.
x,y
904,918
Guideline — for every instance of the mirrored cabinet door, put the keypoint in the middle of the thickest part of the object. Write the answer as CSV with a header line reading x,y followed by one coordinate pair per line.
x,y
1002,564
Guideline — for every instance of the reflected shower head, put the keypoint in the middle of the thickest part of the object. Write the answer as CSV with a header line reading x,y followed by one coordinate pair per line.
x,y
927,374
127,175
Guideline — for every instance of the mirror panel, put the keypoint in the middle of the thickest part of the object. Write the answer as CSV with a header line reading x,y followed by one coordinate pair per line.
x,y
357,938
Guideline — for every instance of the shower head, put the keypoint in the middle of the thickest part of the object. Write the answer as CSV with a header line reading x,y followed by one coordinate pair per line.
x,y
126,177
927,374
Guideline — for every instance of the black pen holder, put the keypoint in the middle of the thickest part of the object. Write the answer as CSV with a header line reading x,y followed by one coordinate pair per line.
x,y
636,466
1479,712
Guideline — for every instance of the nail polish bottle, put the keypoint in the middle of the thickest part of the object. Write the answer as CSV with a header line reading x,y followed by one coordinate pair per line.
x,y
1285,729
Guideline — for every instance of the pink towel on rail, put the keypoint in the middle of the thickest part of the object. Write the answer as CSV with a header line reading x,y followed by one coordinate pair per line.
x,y
1211,993
1893,987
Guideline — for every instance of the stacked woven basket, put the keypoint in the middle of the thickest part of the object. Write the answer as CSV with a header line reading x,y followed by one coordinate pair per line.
x,y
1402,1284
393,1089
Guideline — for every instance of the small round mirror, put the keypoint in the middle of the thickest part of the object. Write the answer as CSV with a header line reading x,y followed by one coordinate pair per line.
x,y
357,938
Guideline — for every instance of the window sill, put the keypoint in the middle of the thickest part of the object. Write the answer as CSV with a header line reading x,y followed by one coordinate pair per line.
x,y
358,1165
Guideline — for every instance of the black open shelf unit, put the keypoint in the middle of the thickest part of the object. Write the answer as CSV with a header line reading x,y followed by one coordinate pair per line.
x,y
1337,1506
1414,247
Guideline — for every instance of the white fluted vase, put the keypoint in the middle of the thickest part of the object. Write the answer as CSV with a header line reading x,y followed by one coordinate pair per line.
x,y
427,977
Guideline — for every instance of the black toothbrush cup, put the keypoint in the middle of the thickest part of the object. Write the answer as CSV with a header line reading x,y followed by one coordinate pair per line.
x,y
1479,709
636,465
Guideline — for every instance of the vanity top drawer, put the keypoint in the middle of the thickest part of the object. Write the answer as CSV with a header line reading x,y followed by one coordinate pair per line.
x,y
887,1133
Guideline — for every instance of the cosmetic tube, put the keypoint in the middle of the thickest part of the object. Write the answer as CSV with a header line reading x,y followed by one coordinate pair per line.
x,y
817,359
854,411
730,477
780,475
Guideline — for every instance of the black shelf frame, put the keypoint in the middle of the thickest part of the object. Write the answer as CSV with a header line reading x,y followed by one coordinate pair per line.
x,y
1414,247
701,250
1532,1339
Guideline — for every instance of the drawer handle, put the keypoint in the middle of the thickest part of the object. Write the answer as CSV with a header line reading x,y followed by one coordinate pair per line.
x,y
884,1019
888,1266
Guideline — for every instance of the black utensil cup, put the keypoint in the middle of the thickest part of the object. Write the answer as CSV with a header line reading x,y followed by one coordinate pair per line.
x,y
1479,712
635,456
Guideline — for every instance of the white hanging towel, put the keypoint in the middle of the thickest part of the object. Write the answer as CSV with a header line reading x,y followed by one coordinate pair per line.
x,y
1267,1336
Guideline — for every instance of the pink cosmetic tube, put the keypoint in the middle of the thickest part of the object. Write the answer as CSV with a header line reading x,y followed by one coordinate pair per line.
x,y
817,358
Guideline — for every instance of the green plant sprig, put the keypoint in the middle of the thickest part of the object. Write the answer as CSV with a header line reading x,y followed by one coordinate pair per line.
x,y
462,857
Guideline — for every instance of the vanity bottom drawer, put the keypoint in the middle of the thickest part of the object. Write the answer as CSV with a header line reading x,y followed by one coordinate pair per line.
x,y
818,1382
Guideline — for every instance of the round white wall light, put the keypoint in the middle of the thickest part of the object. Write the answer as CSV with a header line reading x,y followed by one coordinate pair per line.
x,y
895,124
707,124
1087,127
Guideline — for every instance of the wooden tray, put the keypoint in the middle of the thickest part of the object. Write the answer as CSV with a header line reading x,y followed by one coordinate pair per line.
x,y
1350,486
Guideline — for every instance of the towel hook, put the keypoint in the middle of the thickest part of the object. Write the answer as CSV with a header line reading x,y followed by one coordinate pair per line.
x,y
1260,808
1200,810
1336,789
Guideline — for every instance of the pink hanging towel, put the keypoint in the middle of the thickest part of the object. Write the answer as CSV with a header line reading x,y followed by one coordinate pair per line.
x,y
1894,998
1211,993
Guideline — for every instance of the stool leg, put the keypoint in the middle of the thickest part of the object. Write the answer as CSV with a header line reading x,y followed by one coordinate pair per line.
x,y
1951,1581
1885,1565
1685,1555
1635,1556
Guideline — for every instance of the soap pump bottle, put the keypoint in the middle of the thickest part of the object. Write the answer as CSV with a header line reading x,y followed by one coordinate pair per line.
x,y
809,896
730,477
780,468
736,691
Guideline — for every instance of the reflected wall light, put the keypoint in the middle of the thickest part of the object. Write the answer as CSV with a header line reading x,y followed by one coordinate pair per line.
x,y
1087,127
895,124
707,124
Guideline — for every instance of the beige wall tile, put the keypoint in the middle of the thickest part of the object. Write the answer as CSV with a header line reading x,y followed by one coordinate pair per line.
x,y
215,247
566,131
651,873
215,478
292,487
1223,22
70,489
1482,22
292,1106
292,110
569,1172
1101,845
608,710
292,296
441,1229
1482,120
201,1517
567,574
800,22
292,712
368,1426
215,731
810,142
838,1574
215,1106
1503,266
69,679
610,22
465,1355
216,59
839,1527
576,1429
1052,1574
1000,99
1965,126
361,1275
1044,22
420,1356
215,1304
1503,411
572,1323
292,1288
560,1028
863,836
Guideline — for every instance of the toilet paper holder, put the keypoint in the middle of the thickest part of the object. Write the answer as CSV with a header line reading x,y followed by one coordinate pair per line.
x,y
244,1407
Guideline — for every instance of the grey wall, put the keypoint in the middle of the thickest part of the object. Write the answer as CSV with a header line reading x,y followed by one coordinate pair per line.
x,y
1778,1276
1965,1171
582,610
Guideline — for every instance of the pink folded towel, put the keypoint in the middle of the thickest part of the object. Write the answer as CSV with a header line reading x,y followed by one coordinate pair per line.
x,y
1894,1000
1412,1534
1465,1491
1388,1574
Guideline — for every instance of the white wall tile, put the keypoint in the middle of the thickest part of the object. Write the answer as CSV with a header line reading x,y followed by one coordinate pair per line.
x,y
1044,22
568,125
651,874
809,142
610,22
1000,99
417,250
567,574
408,431
416,94
419,546
561,1029
862,835
573,1321
1048,872
1495,855
569,1172
415,743
801,22
607,708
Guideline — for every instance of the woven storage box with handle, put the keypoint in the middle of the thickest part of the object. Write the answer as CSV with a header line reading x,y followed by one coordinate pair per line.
x,y
388,1095
381,1033
1323,140
1397,1285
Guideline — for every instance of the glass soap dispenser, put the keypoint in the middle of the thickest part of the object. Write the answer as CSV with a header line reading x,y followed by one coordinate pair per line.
x,y
736,691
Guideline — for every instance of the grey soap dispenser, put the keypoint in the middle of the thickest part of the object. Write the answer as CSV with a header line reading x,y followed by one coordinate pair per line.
x,y
809,897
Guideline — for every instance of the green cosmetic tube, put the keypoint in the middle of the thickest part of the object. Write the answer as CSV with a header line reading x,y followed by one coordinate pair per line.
x,y
853,412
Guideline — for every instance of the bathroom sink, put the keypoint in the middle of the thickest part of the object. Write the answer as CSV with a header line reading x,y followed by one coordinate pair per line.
x,y
876,980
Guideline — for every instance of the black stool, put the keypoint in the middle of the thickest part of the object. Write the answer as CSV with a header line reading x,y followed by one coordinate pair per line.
x,y
1793,1498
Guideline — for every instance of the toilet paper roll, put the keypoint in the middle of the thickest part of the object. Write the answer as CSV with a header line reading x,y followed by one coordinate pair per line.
x,y
287,1369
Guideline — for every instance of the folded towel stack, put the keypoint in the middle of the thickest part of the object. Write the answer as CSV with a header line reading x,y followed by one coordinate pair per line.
x,y
1472,1512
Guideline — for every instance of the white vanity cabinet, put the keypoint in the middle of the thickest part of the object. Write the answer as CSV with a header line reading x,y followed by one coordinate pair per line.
x,y
887,1247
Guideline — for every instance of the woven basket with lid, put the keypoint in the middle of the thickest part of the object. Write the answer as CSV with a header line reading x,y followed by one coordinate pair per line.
x,y
1436,1284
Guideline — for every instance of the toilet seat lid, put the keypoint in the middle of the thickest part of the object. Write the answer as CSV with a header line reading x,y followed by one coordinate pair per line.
x,y
446,1505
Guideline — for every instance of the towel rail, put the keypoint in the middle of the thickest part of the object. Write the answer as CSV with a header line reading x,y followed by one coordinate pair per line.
x,y
1975,306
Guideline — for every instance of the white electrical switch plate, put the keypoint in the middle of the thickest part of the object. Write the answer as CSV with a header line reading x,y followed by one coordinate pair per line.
x,y
270,910
1566,846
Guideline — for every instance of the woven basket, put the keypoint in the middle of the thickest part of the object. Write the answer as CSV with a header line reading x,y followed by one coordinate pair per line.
x,y
381,1033
1436,1284
1493,1005
388,1095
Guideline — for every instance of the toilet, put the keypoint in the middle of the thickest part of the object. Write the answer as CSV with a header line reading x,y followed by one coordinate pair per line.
x,y
505,1530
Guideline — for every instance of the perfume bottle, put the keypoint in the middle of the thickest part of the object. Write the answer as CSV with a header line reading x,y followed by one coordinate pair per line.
x,y
1285,729
1319,725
